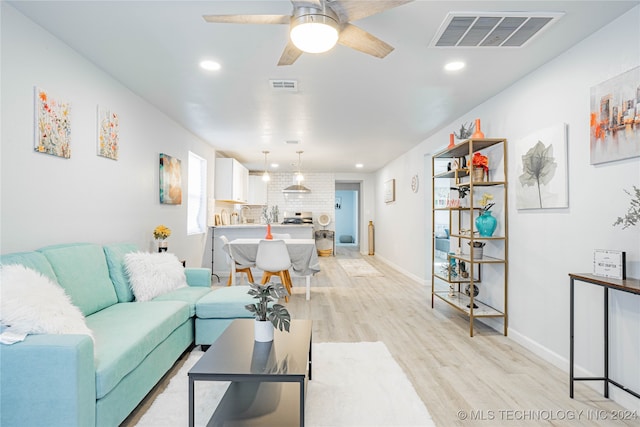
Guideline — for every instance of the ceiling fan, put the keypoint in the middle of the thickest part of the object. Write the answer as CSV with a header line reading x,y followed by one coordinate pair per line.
x,y
331,22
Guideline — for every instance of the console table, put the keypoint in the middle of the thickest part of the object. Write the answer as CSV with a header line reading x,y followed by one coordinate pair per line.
x,y
627,285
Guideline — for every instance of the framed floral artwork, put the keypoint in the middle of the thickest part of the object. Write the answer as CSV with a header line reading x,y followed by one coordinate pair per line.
x,y
108,133
170,180
541,169
53,125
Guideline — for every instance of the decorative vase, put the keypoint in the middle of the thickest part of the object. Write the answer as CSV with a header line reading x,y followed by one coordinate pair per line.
x,y
269,236
163,246
486,224
451,142
263,330
478,174
478,133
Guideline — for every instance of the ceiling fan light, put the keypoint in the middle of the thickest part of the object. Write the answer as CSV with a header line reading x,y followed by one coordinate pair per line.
x,y
314,33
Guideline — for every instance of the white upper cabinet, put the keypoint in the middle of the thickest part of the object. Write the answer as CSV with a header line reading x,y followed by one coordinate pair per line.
x,y
232,181
257,190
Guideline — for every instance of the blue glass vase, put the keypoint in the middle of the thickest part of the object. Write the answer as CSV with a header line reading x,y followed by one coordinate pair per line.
x,y
486,224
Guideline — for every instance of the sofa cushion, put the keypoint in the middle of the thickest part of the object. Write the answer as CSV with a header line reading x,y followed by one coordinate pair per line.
x,y
81,269
33,304
115,261
225,303
153,274
127,332
189,294
33,260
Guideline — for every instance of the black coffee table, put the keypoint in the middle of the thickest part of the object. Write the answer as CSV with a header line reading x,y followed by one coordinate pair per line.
x,y
263,389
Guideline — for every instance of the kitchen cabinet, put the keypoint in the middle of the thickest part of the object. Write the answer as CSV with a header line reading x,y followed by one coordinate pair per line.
x,y
257,191
472,282
231,181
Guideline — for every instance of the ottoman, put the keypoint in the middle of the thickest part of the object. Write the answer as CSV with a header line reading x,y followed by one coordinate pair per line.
x,y
216,310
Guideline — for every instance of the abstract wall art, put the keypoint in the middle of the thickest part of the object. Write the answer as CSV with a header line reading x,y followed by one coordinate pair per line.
x,y
541,169
615,118
170,180
53,125
108,133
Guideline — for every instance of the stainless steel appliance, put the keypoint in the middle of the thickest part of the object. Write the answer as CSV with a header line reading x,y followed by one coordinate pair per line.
x,y
298,218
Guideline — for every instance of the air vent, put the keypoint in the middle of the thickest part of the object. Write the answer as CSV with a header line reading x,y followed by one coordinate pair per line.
x,y
284,85
492,29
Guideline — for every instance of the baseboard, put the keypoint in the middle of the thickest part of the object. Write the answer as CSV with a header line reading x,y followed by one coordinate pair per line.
x,y
539,350
399,269
621,397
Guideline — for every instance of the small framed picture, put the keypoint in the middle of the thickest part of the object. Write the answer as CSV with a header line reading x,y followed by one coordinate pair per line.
x,y
608,263
390,191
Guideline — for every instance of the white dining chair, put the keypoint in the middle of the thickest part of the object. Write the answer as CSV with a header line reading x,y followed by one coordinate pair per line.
x,y
273,259
246,269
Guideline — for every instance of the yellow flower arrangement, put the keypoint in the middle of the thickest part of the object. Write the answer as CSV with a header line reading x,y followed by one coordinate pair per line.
x,y
161,232
484,202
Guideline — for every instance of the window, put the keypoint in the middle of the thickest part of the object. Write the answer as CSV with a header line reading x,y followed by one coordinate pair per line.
x,y
197,195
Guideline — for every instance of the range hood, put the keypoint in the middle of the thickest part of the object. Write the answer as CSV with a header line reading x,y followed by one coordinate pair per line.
x,y
296,188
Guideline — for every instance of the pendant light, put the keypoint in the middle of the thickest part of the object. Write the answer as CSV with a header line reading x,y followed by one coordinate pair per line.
x,y
298,188
265,176
299,176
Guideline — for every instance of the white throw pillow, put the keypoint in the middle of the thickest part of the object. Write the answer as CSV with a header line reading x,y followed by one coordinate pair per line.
x,y
153,274
31,303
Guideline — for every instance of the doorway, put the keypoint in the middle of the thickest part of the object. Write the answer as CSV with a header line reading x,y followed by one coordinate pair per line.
x,y
347,214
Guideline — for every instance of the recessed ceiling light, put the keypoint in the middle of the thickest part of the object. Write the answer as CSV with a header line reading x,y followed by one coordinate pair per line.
x,y
454,66
359,165
274,165
210,65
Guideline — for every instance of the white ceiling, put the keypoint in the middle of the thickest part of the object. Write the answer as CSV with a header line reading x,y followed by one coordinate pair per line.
x,y
350,107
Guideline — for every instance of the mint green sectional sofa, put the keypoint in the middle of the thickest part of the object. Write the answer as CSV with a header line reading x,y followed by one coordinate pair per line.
x,y
66,380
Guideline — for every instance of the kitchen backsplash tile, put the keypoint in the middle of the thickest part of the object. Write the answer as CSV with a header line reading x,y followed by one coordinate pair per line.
x,y
320,200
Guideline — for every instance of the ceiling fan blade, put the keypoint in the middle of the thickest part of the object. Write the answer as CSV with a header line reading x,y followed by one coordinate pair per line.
x,y
290,54
358,39
248,19
352,10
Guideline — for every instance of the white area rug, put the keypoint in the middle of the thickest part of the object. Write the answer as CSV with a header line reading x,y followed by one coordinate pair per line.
x,y
358,268
354,384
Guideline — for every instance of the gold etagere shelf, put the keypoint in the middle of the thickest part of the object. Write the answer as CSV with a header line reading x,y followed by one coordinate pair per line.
x,y
460,294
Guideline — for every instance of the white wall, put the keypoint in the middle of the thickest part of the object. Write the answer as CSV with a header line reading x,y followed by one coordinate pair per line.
x,y
49,200
546,245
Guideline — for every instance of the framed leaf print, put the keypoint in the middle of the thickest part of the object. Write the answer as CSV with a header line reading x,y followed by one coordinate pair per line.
x,y
53,125
541,169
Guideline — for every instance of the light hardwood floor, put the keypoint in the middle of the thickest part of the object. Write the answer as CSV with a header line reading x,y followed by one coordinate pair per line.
x,y
491,379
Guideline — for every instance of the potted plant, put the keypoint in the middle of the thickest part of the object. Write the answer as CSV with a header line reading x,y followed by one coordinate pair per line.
x,y
632,217
161,233
480,164
268,316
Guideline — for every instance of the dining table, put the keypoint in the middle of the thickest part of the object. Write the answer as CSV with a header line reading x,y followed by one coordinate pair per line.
x,y
302,252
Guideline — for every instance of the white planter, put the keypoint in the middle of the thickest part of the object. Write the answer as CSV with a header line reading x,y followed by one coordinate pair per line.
x,y
263,331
